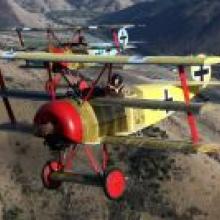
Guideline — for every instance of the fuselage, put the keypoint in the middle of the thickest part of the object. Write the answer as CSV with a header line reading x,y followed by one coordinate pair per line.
x,y
99,121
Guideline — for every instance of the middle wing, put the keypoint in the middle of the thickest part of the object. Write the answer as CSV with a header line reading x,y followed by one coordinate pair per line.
x,y
109,101
28,95
153,104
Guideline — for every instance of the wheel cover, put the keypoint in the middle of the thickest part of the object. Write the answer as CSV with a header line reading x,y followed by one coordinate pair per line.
x,y
49,168
115,184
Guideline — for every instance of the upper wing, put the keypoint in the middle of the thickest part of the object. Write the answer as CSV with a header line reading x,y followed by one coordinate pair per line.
x,y
157,144
174,60
71,28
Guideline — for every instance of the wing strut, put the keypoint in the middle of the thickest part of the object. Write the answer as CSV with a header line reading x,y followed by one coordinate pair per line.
x,y
94,83
191,117
20,38
6,101
115,39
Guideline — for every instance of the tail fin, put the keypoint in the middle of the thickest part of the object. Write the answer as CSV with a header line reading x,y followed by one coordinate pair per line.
x,y
123,37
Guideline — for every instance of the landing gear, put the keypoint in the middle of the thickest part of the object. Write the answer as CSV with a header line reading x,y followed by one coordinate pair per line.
x,y
112,180
50,168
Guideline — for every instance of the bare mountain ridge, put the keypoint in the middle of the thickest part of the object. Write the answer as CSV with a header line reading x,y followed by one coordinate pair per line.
x,y
106,5
35,12
173,27
7,16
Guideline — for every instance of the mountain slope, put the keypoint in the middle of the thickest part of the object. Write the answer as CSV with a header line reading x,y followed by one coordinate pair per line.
x,y
43,5
174,26
104,5
40,12
48,5
7,15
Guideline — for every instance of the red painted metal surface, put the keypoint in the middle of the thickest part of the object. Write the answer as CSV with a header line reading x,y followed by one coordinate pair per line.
x,y
51,85
58,50
64,116
105,157
83,85
115,184
48,169
191,117
93,162
116,40
90,93
68,159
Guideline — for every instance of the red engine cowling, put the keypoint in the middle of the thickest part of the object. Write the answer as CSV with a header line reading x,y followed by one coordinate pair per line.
x,y
64,117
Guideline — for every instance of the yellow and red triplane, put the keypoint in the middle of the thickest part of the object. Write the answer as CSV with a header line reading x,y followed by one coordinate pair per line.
x,y
67,122
120,39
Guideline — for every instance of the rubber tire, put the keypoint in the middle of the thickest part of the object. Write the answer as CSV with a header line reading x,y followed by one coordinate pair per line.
x,y
48,169
119,184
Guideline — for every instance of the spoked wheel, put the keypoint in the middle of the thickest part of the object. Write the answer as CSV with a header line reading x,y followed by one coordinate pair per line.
x,y
115,184
49,168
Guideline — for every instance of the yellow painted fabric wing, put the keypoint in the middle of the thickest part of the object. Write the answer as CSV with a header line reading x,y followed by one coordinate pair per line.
x,y
162,60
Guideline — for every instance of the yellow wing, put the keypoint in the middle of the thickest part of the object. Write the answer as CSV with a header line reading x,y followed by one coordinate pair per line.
x,y
174,60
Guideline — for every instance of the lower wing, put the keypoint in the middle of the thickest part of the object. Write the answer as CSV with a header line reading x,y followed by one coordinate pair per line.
x,y
164,145
153,104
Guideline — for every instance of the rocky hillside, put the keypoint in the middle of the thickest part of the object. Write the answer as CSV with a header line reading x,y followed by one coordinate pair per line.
x,y
75,4
43,5
40,12
104,5
7,15
174,26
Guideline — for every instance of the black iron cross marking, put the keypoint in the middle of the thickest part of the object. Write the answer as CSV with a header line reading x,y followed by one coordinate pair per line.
x,y
167,98
201,73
